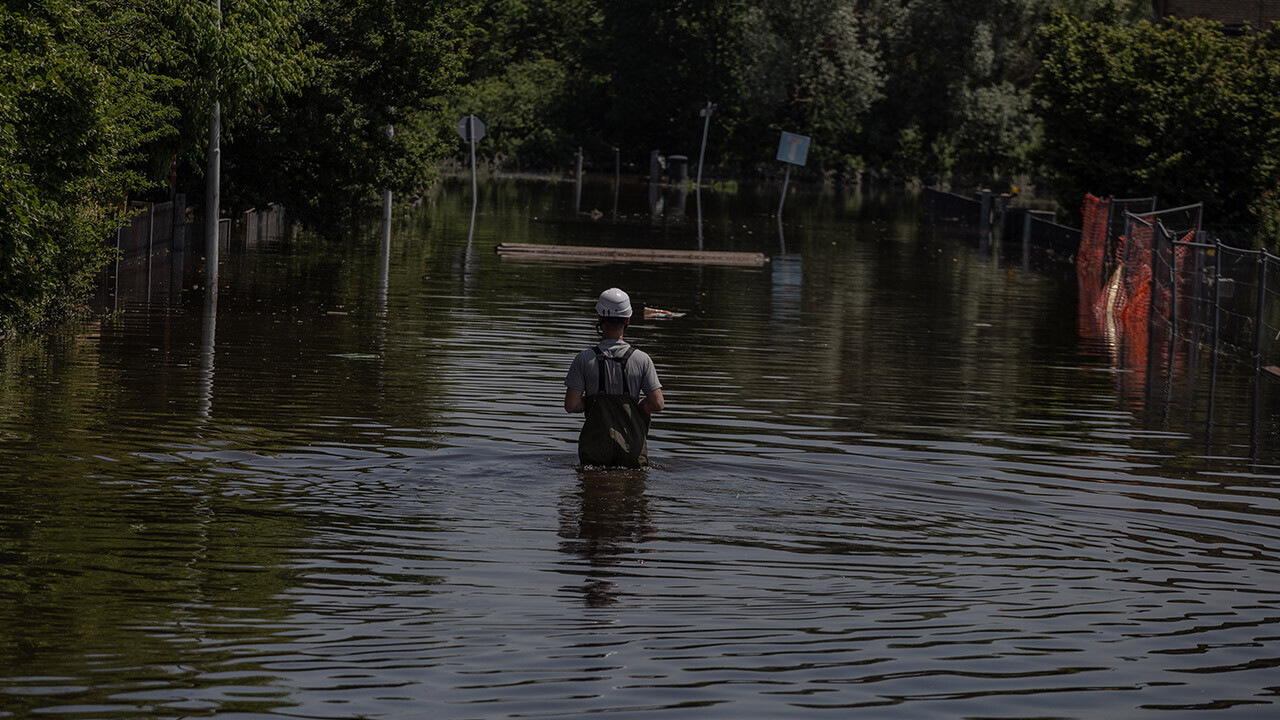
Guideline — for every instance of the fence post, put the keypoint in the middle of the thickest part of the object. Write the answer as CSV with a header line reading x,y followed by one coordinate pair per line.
x,y
1173,308
1156,232
617,178
1261,308
1173,286
1026,240
151,229
1004,209
984,220
1213,351
1257,346
577,181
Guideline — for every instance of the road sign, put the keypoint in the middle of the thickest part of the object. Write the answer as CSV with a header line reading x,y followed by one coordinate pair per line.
x,y
465,128
793,148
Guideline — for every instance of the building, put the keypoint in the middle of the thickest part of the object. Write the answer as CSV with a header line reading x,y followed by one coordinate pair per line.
x,y
1256,13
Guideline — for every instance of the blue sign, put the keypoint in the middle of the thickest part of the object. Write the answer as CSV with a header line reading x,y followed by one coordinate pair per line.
x,y
793,148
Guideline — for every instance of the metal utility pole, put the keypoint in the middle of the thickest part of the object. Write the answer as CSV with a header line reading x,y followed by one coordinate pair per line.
x,y
386,192
213,178
786,180
706,124
471,135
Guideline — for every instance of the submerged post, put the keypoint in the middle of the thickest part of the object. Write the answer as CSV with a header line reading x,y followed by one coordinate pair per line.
x,y
386,192
1257,347
617,178
1156,232
786,179
1173,303
1213,342
471,130
577,182
984,218
471,134
1026,240
1260,311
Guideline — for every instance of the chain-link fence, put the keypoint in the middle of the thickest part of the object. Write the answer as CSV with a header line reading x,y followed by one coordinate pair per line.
x,y
1180,297
1168,298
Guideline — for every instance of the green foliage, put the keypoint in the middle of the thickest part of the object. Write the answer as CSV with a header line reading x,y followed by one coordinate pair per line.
x,y
323,149
1178,110
72,125
809,66
522,108
1266,213
909,87
98,98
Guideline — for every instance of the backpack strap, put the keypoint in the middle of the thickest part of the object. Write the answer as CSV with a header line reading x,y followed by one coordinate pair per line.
x,y
603,368
622,364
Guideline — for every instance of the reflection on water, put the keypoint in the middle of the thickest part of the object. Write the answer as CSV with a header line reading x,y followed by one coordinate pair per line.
x,y
891,476
603,523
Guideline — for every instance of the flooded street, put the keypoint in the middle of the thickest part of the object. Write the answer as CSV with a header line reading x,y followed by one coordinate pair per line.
x,y
891,477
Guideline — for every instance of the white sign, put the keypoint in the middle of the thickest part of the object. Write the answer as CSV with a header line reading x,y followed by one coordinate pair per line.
x,y
469,125
793,148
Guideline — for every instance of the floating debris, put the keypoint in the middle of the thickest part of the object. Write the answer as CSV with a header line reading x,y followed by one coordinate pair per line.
x,y
656,314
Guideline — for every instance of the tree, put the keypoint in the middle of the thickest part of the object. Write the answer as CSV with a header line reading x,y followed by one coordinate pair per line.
x,y
323,150
72,125
808,66
96,99
1179,110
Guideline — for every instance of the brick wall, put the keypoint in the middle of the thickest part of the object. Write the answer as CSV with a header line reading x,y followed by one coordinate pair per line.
x,y
1258,13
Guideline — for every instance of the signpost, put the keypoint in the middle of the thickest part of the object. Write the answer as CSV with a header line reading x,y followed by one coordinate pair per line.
x,y
471,130
706,113
793,150
697,188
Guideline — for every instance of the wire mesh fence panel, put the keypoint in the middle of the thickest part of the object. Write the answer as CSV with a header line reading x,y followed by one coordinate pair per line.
x,y
1268,336
1237,294
1179,220
1059,241
1193,283
948,207
1117,211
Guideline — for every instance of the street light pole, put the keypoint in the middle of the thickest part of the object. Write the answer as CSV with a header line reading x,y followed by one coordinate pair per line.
x,y
213,178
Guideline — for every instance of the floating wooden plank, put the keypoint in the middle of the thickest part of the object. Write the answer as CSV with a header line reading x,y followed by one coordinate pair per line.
x,y
619,254
1272,370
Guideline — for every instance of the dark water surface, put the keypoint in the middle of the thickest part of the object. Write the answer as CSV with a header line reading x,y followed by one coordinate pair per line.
x,y
892,481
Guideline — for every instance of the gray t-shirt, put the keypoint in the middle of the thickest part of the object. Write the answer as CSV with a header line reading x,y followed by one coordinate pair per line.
x,y
641,375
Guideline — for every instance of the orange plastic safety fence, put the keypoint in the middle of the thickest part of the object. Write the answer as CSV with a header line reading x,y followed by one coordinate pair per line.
x,y
1093,239
1089,266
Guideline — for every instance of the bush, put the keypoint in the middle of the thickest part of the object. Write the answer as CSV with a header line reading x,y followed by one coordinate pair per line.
x,y
70,130
1181,111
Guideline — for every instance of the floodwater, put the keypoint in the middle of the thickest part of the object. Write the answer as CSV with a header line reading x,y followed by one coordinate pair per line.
x,y
892,481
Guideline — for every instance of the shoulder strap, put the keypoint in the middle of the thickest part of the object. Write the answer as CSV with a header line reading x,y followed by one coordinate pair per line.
x,y
602,369
622,364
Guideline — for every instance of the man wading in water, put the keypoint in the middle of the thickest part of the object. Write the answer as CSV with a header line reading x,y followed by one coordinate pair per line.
x,y
605,381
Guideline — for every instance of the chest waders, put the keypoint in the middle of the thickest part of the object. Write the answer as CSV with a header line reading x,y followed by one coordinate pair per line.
x,y
615,427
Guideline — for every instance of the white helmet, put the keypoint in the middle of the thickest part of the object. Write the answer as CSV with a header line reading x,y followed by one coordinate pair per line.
x,y
613,303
